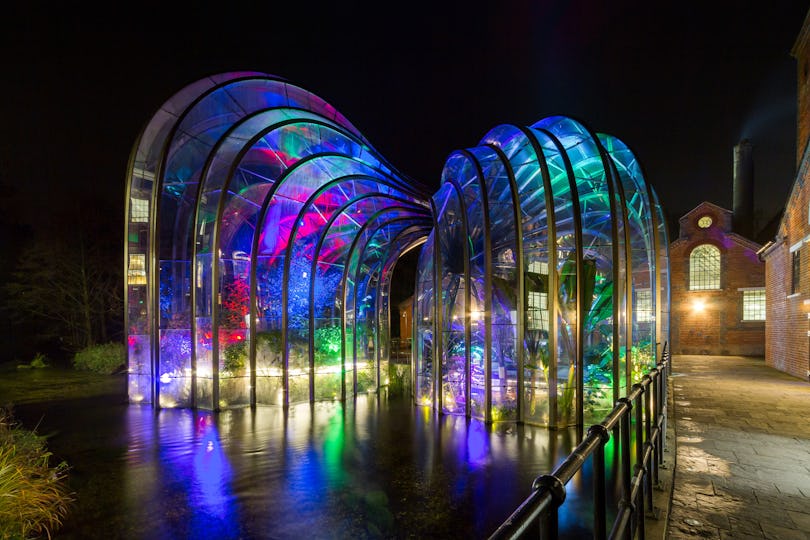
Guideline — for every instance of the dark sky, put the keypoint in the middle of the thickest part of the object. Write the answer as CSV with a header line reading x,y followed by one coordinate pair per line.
x,y
679,84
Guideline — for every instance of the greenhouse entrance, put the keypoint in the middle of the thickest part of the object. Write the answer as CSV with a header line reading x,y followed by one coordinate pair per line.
x,y
263,231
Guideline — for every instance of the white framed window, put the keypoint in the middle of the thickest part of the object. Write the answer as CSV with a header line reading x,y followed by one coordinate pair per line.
x,y
704,268
753,304
643,309
538,267
537,311
138,210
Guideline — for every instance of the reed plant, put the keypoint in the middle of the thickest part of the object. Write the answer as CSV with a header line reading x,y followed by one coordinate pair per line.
x,y
34,495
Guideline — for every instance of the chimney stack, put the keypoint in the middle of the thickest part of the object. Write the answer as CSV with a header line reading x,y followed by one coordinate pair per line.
x,y
743,190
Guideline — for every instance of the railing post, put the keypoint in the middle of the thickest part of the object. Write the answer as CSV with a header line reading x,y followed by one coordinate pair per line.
x,y
624,453
663,399
599,503
640,468
652,419
549,527
539,513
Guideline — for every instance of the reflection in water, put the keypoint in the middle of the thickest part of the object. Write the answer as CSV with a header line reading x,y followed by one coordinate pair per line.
x,y
211,473
178,479
369,468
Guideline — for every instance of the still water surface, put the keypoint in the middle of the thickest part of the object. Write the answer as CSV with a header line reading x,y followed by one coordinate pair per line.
x,y
374,467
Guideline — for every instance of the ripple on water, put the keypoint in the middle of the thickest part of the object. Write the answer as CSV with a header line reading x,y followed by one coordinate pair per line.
x,y
370,468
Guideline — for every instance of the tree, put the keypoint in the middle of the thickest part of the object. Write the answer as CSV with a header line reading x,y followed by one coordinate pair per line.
x,y
67,284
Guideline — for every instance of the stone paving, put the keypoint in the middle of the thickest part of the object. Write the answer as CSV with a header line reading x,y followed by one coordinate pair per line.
x,y
743,450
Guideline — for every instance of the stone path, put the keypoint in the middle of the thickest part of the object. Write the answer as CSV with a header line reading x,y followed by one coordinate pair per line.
x,y
743,450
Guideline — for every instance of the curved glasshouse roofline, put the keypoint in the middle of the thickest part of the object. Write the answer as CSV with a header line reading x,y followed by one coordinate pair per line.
x,y
552,316
263,230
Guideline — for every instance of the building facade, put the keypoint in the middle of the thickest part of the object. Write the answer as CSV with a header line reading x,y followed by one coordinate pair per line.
x,y
718,287
787,256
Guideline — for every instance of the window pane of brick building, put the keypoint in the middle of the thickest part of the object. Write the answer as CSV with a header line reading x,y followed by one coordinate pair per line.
x,y
704,268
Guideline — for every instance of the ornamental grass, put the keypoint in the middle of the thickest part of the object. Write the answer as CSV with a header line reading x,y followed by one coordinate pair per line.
x,y
34,496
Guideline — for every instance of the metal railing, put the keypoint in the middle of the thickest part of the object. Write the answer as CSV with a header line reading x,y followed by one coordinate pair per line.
x,y
643,411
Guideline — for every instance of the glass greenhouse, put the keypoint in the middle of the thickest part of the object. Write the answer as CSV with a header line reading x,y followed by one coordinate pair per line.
x,y
263,230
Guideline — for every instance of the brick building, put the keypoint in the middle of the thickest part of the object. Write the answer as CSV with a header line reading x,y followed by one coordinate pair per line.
x,y
787,257
717,286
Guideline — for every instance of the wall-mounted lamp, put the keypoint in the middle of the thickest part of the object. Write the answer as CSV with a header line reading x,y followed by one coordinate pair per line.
x,y
698,305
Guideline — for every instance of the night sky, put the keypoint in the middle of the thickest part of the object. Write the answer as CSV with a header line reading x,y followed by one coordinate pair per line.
x,y
679,85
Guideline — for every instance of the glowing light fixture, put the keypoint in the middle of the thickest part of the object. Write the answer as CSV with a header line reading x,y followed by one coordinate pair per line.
x,y
698,305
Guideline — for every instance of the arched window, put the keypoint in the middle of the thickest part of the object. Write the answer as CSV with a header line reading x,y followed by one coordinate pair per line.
x,y
704,268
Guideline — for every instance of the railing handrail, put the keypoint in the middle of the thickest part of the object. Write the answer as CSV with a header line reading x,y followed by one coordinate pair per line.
x,y
540,509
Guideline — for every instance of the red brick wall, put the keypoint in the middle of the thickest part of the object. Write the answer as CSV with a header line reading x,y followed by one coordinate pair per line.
x,y
776,290
718,329
788,344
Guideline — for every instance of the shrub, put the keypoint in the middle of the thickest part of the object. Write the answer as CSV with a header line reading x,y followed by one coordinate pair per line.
x,y
39,361
34,496
106,358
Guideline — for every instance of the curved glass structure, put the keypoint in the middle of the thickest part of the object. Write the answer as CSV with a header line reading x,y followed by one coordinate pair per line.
x,y
263,229
542,292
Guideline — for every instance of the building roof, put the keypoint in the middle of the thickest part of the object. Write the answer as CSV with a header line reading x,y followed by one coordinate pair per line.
x,y
804,34
727,232
798,183
700,207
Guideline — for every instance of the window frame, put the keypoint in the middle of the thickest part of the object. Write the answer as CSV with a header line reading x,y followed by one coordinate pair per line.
x,y
138,210
747,293
713,282
643,306
795,271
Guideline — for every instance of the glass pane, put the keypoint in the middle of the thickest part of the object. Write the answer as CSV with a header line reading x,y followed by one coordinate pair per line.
x,y
423,319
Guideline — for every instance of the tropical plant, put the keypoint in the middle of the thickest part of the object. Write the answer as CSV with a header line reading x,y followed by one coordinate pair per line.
x,y
599,369
235,296
643,355
327,344
34,496
235,356
566,400
327,385
536,362
398,379
504,411
268,349
597,298
567,335
366,380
